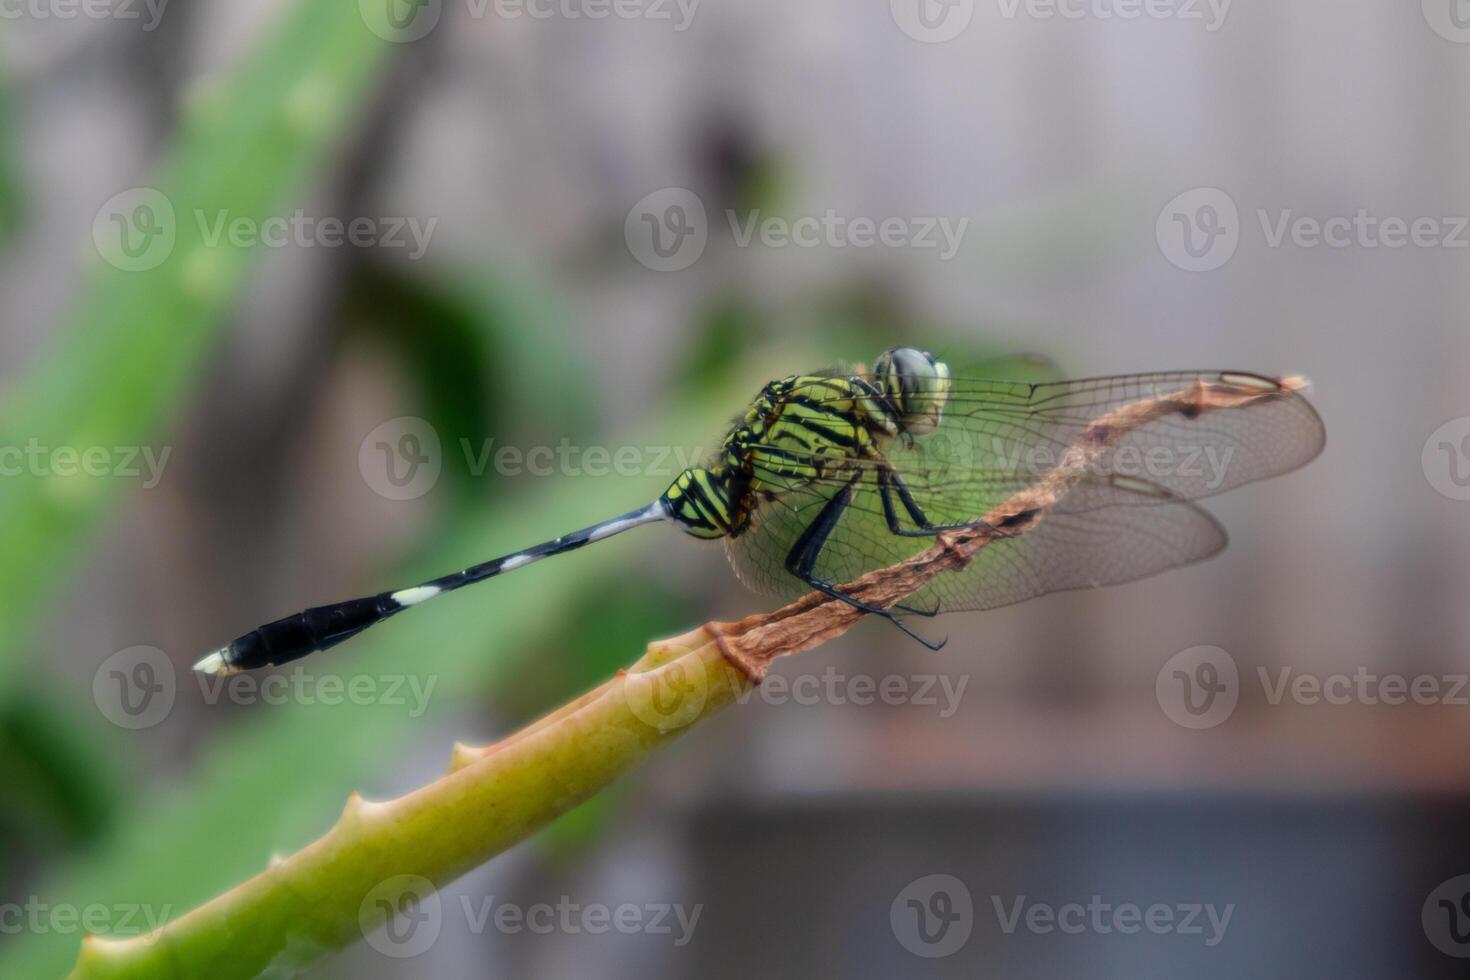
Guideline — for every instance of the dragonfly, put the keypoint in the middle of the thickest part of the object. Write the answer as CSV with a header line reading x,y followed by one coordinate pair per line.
x,y
830,475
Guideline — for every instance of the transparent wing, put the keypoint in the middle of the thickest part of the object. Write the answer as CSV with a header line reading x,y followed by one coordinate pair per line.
x,y
1105,531
1026,429
996,437
1129,517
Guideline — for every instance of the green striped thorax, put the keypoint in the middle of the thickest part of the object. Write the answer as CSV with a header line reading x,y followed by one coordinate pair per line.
x,y
804,427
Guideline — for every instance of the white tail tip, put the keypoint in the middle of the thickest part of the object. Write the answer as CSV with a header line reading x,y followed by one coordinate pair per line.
x,y
216,663
1297,382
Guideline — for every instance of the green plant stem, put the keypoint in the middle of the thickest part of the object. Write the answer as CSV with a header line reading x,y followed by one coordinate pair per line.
x,y
318,900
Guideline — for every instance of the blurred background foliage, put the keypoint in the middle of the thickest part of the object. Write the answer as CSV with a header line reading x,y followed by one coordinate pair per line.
x,y
264,374
478,350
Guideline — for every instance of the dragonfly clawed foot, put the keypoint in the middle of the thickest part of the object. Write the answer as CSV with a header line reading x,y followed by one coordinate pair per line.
x,y
827,588
928,644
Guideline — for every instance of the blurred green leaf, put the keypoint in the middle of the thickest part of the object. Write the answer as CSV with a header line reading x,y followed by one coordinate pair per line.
x,y
54,793
12,195
597,628
479,347
134,342
280,778
725,331
578,831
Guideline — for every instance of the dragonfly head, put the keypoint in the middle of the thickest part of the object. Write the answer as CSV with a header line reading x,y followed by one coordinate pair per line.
x,y
916,385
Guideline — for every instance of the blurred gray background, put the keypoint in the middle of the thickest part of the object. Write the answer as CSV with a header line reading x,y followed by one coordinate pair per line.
x,y
1076,146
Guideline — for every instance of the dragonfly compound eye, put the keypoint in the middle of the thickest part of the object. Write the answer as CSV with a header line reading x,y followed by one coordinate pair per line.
x,y
916,385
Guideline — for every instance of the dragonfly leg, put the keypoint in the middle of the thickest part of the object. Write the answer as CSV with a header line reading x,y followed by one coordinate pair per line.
x,y
891,485
915,611
802,560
